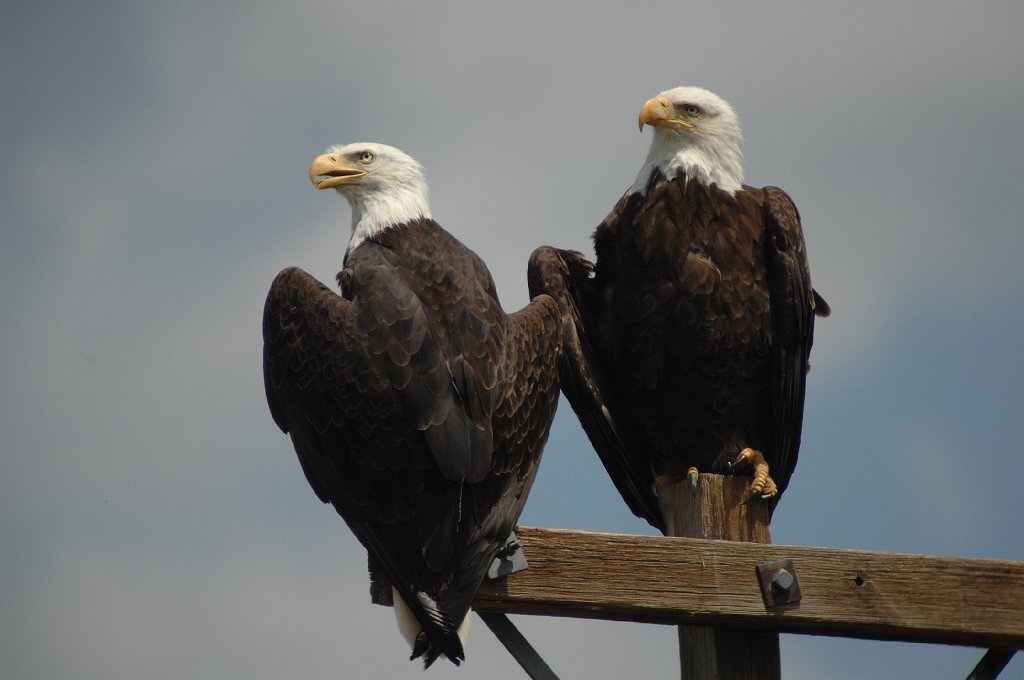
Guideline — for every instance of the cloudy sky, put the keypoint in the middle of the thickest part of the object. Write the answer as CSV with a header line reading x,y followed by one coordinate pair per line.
x,y
154,523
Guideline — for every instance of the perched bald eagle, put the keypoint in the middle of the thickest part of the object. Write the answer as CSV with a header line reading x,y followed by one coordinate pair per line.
x,y
418,408
695,325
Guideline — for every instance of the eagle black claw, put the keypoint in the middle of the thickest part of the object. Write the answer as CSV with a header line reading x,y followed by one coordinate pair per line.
x,y
693,475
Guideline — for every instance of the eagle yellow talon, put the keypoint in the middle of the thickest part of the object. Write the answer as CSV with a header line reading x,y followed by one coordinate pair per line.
x,y
762,485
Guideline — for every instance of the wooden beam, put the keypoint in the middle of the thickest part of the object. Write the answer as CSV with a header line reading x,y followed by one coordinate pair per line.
x,y
850,593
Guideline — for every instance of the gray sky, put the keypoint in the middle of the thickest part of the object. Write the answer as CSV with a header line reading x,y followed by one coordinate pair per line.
x,y
154,523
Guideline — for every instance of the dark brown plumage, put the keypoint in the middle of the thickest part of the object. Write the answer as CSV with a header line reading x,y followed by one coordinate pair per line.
x,y
694,328
417,407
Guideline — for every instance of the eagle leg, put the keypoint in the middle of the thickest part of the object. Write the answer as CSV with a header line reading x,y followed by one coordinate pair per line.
x,y
693,475
763,485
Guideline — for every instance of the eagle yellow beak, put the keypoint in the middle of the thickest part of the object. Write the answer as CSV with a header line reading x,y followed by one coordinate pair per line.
x,y
659,112
328,171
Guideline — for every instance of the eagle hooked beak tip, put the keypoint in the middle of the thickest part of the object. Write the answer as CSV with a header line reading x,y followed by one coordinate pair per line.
x,y
659,112
328,171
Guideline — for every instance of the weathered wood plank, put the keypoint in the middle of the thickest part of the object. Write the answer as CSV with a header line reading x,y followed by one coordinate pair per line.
x,y
713,583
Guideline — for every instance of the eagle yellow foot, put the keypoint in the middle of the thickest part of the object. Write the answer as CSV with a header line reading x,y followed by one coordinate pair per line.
x,y
692,474
763,485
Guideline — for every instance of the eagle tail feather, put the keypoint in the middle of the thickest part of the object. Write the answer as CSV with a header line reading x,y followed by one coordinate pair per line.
x,y
439,634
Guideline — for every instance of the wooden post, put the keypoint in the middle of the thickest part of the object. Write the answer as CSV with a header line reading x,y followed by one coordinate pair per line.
x,y
716,511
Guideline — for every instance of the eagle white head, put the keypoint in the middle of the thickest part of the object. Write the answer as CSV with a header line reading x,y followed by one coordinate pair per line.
x,y
695,131
384,186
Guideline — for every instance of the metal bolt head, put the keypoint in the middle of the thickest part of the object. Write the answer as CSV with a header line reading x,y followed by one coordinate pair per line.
x,y
779,584
782,582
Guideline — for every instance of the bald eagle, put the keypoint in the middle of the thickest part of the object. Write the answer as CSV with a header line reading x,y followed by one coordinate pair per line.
x,y
695,325
418,408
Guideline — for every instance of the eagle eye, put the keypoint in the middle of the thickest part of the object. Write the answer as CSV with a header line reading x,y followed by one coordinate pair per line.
x,y
691,110
366,157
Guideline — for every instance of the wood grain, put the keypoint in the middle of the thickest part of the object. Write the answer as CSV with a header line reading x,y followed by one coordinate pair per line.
x,y
704,582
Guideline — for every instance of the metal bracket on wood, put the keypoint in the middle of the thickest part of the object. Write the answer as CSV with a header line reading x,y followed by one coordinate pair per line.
x,y
509,560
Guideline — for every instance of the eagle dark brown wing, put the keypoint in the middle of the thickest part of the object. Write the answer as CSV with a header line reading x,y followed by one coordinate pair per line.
x,y
567,276
794,305
331,385
417,407
524,408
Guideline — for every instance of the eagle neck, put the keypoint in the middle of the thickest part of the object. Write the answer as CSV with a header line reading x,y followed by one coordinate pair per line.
x,y
715,163
373,214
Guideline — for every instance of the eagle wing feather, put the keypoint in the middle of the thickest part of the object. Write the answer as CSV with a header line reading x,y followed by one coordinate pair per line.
x,y
566,276
793,303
